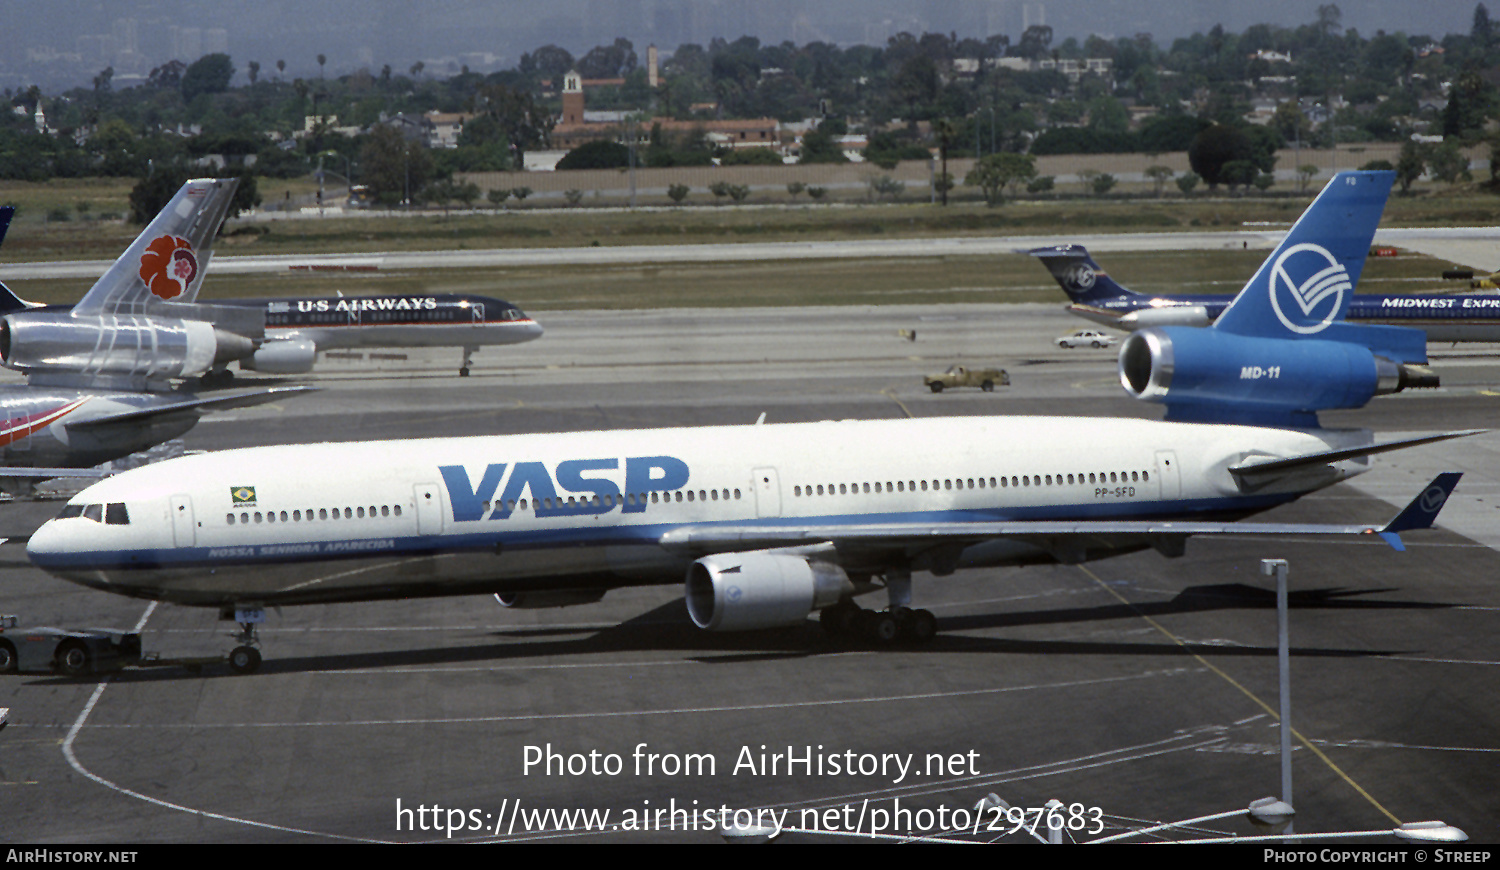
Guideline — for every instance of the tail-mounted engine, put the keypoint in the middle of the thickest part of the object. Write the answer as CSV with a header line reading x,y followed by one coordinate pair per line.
x,y
142,346
1210,374
741,591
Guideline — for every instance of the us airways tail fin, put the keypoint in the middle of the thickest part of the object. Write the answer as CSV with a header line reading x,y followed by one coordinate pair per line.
x,y
1078,275
167,260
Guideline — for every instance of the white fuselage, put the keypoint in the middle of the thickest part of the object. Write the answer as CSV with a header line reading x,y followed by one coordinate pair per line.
x,y
355,521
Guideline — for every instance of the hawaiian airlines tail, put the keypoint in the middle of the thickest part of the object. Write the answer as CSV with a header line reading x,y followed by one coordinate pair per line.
x,y
167,260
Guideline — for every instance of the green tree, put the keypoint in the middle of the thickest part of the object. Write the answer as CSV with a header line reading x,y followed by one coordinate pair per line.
x,y
678,192
599,154
1410,165
818,146
1448,163
1159,176
209,74
392,166
994,172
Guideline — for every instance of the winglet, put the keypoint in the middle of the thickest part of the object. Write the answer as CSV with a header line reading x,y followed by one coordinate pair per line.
x,y
1423,510
6,213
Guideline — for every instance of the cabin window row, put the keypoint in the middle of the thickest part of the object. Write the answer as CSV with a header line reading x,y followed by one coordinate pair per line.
x,y
348,513
1012,482
612,500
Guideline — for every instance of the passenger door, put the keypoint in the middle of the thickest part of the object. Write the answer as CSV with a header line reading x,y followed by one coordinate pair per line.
x,y
184,529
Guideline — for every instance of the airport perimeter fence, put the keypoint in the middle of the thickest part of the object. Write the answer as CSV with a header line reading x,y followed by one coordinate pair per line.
x,y
862,182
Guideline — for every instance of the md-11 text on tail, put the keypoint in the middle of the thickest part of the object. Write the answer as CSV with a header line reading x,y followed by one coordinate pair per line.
x,y
767,524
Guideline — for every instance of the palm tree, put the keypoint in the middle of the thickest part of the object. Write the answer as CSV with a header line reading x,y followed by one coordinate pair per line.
x,y
280,68
322,59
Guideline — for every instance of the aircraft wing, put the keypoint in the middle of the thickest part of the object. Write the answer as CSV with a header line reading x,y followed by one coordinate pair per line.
x,y
50,473
1064,538
243,399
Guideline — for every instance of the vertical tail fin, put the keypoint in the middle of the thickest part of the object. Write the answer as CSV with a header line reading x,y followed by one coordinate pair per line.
x,y
1078,275
167,260
6,213
1306,284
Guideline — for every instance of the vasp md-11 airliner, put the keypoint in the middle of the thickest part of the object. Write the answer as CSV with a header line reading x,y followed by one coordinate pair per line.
x,y
771,523
1097,297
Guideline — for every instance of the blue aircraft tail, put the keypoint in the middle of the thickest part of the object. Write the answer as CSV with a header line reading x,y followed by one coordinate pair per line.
x,y
1304,288
8,301
1078,275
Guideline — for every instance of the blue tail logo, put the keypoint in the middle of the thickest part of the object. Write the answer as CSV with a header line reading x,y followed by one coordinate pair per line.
x,y
1079,277
1305,286
1315,282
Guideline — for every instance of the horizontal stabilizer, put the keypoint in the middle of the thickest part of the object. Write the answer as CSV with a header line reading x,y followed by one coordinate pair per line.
x,y
1255,474
195,404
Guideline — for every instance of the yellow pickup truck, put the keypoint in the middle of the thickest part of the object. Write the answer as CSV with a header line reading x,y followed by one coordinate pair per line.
x,y
959,376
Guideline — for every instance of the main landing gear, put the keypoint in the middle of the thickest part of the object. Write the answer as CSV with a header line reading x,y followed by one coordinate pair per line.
x,y
848,620
245,658
898,622
463,370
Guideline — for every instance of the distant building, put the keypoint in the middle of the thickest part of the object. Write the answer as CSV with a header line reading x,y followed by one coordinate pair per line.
x,y
577,125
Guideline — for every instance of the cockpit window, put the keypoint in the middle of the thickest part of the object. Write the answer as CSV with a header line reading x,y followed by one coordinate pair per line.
x,y
71,510
116,515
94,512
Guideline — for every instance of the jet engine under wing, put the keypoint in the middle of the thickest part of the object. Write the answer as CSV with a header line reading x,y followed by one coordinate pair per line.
x,y
222,402
1060,538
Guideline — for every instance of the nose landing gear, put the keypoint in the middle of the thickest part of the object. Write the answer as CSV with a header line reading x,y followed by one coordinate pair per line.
x,y
245,658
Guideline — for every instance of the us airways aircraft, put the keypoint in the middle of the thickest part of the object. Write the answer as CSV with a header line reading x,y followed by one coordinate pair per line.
x,y
275,336
298,328
100,372
1097,297
768,524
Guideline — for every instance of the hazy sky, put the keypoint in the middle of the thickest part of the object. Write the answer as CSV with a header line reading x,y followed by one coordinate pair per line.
x,y
46,39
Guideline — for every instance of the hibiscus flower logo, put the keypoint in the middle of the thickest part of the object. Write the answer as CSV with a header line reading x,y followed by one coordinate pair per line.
x,y
169,266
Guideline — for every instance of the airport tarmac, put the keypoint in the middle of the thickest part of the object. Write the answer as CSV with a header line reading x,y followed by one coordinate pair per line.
x,y
1141,686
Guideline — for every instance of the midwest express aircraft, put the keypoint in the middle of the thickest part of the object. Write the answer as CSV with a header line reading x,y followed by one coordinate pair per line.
x,y
1097,297
767,524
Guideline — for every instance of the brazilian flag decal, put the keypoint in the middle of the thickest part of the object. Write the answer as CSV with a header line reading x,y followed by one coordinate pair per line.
x,y
242,496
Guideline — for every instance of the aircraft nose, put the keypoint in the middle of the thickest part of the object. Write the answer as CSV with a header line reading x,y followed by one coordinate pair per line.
x,y
46,544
